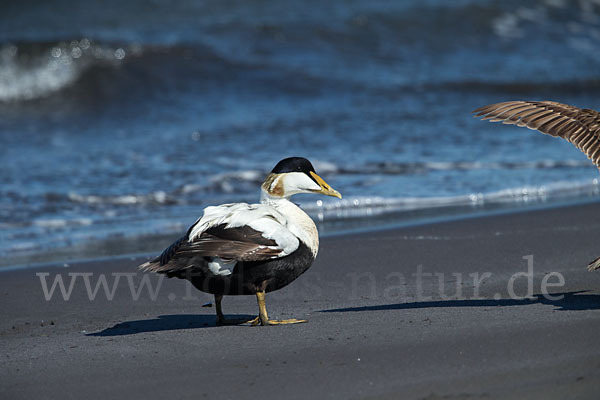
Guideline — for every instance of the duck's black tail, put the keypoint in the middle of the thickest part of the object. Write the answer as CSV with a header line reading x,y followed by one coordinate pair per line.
x,y
160,263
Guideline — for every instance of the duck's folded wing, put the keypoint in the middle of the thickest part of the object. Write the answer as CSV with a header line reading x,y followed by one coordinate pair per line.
x,y
238,232
239,244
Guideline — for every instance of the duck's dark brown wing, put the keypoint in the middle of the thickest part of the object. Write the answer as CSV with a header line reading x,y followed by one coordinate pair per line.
x,y
579,126
229,244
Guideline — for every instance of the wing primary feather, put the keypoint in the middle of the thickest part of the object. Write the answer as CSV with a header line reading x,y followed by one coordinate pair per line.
x,y
507,112
486,109
552,127
492,113
539,123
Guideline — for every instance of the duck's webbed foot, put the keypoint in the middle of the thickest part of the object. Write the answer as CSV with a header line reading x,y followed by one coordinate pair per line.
x,y
263,317
258,321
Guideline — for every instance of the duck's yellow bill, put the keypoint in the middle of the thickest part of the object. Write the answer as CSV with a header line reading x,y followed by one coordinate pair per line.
x,y
325,188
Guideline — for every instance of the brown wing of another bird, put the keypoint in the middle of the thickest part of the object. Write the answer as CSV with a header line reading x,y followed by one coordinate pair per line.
x,y
579,126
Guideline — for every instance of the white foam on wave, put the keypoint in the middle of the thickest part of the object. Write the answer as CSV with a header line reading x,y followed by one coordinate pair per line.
x,y
25,75
364,207
244,175
405,168
325,167
158,197
55,223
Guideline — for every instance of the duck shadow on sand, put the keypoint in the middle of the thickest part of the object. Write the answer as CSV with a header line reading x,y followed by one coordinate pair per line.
x,y
570,301
164,323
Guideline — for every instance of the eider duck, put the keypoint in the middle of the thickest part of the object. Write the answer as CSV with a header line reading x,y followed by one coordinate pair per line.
x,y
579,126
245,249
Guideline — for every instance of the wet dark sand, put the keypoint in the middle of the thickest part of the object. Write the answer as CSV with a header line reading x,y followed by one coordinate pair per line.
x,y
374,331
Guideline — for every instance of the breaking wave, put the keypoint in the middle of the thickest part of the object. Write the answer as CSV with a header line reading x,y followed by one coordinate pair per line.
x,y
318,50
32,70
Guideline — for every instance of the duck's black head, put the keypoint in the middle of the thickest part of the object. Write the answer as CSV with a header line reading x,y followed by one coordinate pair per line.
x,y
293,164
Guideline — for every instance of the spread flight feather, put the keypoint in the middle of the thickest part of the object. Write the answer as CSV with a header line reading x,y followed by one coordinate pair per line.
x,y
579,126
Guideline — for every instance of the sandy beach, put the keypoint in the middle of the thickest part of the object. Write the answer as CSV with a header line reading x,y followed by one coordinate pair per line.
x,y
434,311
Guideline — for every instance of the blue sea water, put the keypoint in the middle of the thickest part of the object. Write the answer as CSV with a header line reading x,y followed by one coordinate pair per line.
x,y
123,120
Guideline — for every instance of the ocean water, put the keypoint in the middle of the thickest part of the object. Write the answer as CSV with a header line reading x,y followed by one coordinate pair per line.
x,y
120,121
